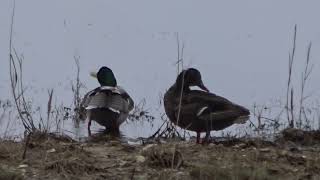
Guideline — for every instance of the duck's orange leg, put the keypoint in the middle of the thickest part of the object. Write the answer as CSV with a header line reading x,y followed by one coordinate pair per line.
x,y
198,137
89,125
207,138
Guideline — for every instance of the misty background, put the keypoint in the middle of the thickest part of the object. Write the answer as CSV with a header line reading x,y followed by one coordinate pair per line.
x,y
240,47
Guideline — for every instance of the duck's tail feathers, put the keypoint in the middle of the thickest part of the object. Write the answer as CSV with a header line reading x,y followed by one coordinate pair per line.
x,y
241,120
223,116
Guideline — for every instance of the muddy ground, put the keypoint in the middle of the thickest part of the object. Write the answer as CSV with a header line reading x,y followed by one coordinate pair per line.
x,y
294,155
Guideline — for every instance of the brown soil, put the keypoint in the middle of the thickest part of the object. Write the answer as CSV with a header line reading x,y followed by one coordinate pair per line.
x,y
52,157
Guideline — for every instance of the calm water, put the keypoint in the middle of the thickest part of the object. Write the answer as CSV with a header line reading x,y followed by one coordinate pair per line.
x,y
241,48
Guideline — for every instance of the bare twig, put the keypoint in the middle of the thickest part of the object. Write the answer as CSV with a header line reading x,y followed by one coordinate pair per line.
x,y
141,113
291,108
15,77
291,59
170,130
49,108
180,60
76,92
305,76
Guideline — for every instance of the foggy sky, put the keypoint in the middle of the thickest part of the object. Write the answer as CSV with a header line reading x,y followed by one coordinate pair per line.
x,y
240,47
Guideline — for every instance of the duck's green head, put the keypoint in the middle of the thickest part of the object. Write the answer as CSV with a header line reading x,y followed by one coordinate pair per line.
x,y
106,77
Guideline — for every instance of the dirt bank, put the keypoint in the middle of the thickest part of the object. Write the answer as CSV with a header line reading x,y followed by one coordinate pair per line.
x,y
108,158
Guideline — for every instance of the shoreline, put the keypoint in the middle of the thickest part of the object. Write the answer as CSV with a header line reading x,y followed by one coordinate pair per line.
x,y
289,157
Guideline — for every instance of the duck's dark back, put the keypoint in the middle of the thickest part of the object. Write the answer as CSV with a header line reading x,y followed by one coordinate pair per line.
x,y
217,103
192,101
171,102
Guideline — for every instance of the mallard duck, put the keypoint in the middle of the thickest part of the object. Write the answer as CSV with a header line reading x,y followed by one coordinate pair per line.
x,y
109,105
200,110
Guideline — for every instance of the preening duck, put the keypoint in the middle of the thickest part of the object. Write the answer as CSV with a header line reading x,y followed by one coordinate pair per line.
x,y
200,111
109,105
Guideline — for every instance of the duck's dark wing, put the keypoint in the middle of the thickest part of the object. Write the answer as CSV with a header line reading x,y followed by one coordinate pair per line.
x,y
198,117
216,103
216,108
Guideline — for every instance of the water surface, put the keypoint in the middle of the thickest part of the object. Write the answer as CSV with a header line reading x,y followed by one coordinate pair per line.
x,y
241,48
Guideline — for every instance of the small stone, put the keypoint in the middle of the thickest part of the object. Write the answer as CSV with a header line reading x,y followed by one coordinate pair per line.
x,y
51,150
242,145
140,159
180,173
264,150
23,166
236,146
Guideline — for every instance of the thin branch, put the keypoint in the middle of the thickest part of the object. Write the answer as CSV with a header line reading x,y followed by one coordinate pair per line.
x,y
290,66
305,76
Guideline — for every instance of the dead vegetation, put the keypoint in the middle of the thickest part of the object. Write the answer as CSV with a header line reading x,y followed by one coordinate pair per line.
x,y
9,173
293,155
300,109
59,158
162,156
298,136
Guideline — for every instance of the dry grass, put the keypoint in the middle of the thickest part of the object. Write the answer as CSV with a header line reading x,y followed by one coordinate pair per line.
x,y
59,157
299,109
231,173
8,173
48,155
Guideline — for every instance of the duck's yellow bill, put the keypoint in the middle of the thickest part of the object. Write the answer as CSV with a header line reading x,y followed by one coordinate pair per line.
x,y
93,74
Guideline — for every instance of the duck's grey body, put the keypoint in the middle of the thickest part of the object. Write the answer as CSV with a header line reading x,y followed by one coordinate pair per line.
x,y
108,106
